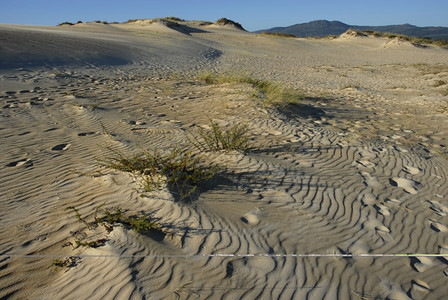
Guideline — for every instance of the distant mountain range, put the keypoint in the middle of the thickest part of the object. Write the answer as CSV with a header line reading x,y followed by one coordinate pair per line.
x,y
325,28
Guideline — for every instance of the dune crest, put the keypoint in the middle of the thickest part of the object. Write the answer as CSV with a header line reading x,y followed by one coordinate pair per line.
x,y
106,169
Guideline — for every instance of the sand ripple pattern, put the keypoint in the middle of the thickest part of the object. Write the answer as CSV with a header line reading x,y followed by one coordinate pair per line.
x,y
306,191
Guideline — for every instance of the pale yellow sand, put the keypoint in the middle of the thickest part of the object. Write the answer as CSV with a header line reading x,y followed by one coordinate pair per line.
x,y
359,168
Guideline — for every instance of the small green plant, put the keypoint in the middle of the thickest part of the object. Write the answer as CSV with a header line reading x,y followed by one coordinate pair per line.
x,y
95,215
439,83
279,34
178,170
186,288
174,19
270,93
68,262
139,223
78,216
414,40
66,23
225,21
231,138
354,86
113,216
110,217
91,244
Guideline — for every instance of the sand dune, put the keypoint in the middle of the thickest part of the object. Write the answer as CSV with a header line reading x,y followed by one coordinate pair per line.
x,y
358,168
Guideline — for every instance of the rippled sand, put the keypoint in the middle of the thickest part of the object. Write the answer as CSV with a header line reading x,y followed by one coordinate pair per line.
x,y
359,167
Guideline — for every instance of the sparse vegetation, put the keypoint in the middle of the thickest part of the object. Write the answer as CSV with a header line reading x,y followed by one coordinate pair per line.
x,y
113,216
225,21
139,223
439,83
66,23
354,86
174,19
178,170
132,20
91,244
279,34
270,93
78,216
110,217
217,138
414,40
100,22
68,262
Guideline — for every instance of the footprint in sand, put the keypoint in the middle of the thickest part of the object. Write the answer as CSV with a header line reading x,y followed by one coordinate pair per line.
x,y
375,226
411,170
26,162
361,247
444,250
273,132
382,209
394,201
303,163
60,147
371,181
438,227
418,289
367,199
438,208
392,291
421,263
87,133
365,163
401,150
11,105
252,217
51,129
407,185
367,153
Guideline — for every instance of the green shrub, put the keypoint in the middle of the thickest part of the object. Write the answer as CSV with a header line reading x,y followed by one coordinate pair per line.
x,y
110,217
439,83
231,138
279,34
68,262
66,23
270,93
139,223
174,19
178,170
225,21
414,40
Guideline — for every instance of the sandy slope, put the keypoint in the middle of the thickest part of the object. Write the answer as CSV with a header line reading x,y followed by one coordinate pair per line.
x,y
359,168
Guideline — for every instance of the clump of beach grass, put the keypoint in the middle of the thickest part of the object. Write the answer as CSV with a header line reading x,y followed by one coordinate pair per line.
x,y
107,218
278,34
414,40
177,169
268,92
439,83
218,138
67,262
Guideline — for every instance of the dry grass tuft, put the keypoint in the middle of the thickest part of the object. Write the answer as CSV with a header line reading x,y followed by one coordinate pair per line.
x,y
177,170
217,138
270,93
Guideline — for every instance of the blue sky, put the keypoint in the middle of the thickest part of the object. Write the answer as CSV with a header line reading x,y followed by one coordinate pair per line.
x,y
253,15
